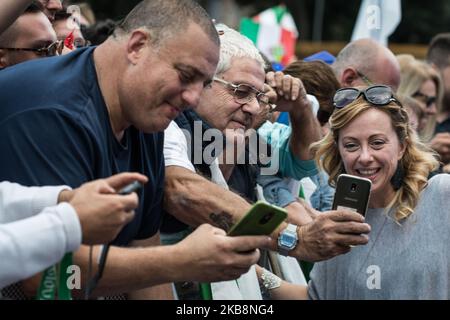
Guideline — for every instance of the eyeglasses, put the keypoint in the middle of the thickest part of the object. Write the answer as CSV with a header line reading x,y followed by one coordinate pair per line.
x,y
428,100
378,95
364,78
48,51
244,93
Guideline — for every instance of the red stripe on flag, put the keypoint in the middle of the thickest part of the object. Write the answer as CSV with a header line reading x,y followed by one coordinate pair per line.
x,y
288,41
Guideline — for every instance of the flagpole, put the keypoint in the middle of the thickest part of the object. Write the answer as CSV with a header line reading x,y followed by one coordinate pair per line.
x,y
376,33
319,12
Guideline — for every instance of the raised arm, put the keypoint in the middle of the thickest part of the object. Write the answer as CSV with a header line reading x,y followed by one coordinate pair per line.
x,y
10,10
292,98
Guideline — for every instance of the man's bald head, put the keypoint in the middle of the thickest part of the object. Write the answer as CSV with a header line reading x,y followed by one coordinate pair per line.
x,y
363,61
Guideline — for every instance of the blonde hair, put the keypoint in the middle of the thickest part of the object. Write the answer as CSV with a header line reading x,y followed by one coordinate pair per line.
x,y
411,104
414,74
417,162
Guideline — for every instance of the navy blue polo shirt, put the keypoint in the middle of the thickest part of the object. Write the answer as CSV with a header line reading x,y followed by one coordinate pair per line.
x,y
55,129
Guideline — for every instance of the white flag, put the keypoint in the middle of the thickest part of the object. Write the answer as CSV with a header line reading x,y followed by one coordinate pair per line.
x,y
377,19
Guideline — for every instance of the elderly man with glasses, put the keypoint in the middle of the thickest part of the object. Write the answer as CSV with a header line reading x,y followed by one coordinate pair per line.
x,y
196,184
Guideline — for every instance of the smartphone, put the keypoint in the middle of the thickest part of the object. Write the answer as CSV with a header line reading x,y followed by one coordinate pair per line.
x,y
261,219
132,187
352,193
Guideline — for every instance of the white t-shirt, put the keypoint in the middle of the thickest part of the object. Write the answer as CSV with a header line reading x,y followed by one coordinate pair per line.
x,y
175,148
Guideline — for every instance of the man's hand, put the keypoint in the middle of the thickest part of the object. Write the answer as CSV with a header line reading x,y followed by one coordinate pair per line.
x,y
102,212
212,256
291,97
287,92
441,144
331,234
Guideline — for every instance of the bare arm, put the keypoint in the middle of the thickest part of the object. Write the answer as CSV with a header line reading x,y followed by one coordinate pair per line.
x,y
286,291
299,214
10,10
292,98
160,292
194,200
305,130
206,255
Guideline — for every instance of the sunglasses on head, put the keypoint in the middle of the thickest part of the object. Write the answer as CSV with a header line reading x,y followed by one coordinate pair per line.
x,y
377,95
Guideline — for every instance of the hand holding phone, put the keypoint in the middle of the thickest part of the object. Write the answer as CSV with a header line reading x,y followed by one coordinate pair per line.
x,y
132,187
261,219
352,193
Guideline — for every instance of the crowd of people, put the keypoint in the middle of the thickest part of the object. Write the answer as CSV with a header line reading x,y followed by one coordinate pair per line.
x,y
192,110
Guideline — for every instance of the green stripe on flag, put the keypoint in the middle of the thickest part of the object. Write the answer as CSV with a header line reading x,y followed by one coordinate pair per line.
x,y
250,29
279,12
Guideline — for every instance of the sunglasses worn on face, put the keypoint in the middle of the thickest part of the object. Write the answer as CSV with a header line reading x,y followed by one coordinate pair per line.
x,y
378,95
48,51
424,98
244,93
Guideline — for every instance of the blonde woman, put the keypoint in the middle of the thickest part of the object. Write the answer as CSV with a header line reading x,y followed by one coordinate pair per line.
x,y
420,81
407,256
415,112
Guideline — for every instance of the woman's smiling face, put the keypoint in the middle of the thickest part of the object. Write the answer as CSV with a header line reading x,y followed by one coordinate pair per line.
x,y
370,148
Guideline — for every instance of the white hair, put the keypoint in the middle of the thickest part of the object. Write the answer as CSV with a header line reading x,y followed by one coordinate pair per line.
x,y
235,45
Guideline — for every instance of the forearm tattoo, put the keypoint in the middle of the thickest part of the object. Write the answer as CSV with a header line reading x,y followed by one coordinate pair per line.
x,y
222,220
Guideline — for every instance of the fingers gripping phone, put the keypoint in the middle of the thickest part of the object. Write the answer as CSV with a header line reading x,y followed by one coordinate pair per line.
x,y
261,219
132,187
352,193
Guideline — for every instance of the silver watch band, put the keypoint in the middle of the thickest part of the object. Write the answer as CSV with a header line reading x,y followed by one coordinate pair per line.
x,y
283,251
293,229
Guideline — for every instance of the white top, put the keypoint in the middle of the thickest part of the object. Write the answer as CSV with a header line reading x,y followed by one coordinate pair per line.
x,y
34,233
176,154
408,260
175,148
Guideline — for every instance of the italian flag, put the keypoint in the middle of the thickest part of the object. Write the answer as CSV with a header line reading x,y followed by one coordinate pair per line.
x,y
274,33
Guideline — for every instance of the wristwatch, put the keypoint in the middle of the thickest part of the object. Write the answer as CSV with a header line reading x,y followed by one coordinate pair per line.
x,y
288,239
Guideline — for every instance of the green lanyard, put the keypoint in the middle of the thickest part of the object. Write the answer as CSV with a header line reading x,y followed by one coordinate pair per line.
x,y
54,281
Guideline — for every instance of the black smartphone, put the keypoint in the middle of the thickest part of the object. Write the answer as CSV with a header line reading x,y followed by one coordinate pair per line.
x,y
352,193
132,187
261,219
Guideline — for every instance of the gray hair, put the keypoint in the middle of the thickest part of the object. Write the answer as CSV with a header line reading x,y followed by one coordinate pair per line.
x,y
165,18
235,45
356,55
